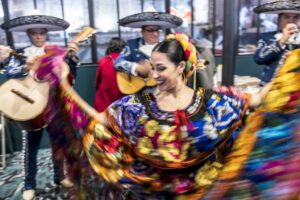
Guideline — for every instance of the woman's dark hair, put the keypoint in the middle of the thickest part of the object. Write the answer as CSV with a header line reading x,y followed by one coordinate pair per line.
x,y
115,45
172,48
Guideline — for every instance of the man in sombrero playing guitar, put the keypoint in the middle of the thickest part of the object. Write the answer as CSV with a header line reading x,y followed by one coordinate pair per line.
x,y
17,65
133,59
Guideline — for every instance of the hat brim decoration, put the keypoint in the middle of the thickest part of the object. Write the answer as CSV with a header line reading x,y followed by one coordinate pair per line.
x,y
164,20
279,6
22,24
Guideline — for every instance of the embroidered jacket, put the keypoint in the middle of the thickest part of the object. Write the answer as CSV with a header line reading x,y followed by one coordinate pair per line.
x,y
269,53
130,56
16,68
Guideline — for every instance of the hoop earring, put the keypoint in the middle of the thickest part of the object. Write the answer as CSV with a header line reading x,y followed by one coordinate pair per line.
x,y
183,76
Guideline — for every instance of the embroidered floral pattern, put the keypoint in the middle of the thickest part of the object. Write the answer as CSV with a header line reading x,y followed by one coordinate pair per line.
x,y
129,114
207,174
151,127
171,148
178,137
162,141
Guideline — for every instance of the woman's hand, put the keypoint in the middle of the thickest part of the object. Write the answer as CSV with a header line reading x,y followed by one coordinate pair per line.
x,y
258,98
143,69
72,47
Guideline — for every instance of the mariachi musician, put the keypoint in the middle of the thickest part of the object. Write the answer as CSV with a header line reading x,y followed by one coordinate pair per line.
x,y
37,27
272,46
132,58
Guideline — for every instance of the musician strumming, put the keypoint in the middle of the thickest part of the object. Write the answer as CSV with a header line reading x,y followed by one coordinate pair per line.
x,y
272,46
132,58
37,28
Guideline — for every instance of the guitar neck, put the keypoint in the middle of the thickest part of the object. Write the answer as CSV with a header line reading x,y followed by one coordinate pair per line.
x,y
18,56
84,34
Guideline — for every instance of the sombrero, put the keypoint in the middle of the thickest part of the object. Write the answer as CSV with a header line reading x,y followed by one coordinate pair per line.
x,y
23,23
164,20
279,6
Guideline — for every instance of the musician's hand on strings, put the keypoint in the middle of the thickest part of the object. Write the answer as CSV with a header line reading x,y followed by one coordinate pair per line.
x,y
33,63
143,69
4,52
288,31
72,47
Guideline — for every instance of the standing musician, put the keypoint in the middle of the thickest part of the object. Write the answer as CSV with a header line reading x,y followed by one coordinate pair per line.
x,y
272,46
37,28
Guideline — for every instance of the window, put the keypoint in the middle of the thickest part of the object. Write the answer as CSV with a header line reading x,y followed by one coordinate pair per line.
x,y
208,24
52,8
157,6
247,26
129,7
19,8
76,13
203,23
182,9
3,40
202,20
251,24
106,23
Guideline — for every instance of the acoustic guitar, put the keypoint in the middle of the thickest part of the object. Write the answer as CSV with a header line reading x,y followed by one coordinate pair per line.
x,y
129,84
24,100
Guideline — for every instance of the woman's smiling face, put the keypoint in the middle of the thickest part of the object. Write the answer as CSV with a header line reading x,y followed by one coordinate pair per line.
x,y
165,72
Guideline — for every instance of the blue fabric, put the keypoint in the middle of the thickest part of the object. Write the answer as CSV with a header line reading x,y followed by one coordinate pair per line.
x,y
16,68
130,55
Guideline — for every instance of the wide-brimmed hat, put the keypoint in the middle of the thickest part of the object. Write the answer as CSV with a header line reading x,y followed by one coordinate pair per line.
x,y
279,6
164,20
23,23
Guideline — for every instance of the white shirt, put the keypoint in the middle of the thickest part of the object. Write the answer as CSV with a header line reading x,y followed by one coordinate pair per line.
x,y
146,49
33,51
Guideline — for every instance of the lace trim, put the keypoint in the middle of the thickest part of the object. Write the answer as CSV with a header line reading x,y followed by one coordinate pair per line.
x,y
153,110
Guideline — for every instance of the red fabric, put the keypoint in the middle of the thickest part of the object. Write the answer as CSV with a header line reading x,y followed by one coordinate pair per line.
x,y
107,90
